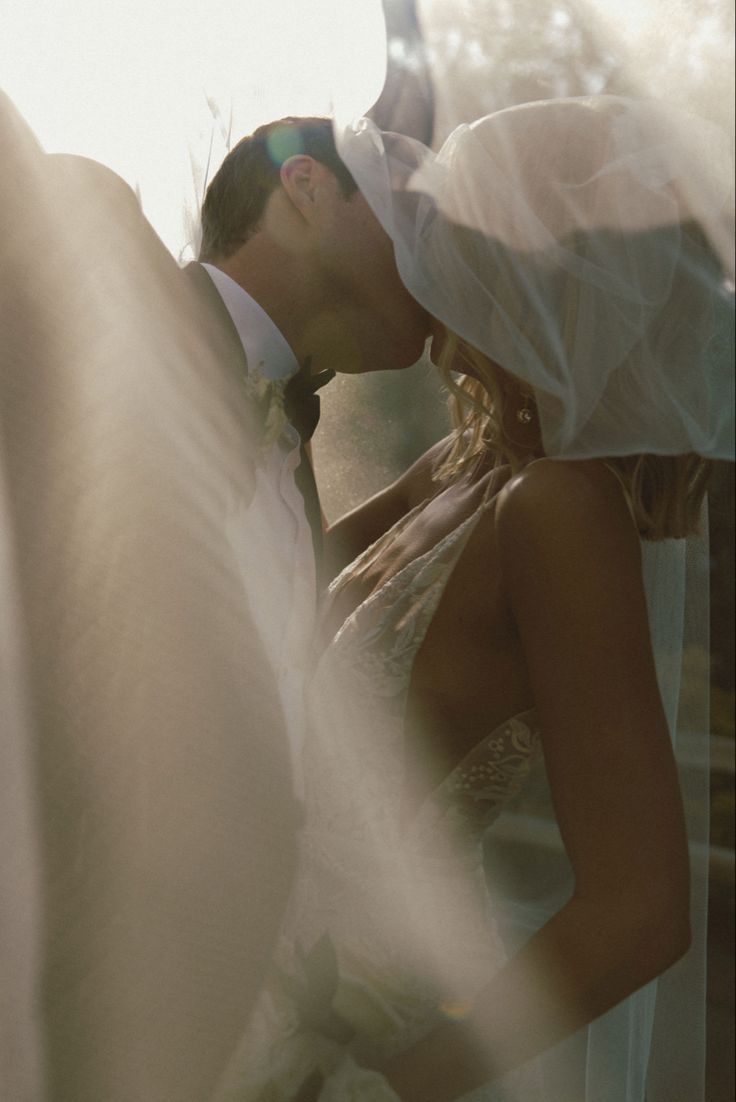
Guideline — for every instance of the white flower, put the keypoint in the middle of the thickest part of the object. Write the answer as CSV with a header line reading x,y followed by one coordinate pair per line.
x,y
267,395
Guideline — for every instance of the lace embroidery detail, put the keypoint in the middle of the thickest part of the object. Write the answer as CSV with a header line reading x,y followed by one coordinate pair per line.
x,y
491,774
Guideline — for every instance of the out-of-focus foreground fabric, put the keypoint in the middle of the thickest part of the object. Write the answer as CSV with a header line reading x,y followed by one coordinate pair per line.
x,y
146,809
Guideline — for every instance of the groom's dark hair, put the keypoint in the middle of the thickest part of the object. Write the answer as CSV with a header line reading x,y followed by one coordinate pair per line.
x,y
237,195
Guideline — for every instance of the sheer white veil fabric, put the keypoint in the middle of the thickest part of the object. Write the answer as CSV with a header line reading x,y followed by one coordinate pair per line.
x,y
146,809
586,246
594,203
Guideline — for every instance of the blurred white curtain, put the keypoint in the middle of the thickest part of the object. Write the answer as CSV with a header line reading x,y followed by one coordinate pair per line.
x,y
146,810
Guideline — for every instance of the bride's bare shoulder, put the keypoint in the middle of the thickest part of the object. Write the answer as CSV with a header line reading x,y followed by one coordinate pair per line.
x,y
572,504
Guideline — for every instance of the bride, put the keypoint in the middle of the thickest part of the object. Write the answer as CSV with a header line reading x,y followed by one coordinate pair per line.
x,y
515,601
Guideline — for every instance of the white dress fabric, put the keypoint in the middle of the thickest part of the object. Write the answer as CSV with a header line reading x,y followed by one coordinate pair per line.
x,y
402,900
369,873
397,922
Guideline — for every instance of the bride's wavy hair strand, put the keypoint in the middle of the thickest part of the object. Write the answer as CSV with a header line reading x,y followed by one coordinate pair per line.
x,y
665,492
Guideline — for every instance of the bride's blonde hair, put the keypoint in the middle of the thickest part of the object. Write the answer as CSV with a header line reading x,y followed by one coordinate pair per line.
x,y
665,491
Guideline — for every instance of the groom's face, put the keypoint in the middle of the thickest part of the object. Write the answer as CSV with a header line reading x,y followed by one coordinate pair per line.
x,y
385,328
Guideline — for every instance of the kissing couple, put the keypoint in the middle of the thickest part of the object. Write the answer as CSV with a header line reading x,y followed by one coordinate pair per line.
x,y
270,751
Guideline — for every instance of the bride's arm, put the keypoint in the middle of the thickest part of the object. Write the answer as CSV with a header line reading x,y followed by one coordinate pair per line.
x,y
348,537
571,562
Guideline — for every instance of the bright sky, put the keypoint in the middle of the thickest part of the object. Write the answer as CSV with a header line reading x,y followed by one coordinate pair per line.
x,y
128,83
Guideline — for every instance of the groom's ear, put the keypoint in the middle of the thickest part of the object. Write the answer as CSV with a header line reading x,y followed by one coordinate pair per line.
x,y
304,181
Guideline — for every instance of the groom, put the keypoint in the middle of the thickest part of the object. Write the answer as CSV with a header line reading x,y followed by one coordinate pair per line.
x,y
157,580
298,273
296,267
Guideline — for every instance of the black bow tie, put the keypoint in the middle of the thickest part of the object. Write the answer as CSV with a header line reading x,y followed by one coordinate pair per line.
x,y
301,401
301,406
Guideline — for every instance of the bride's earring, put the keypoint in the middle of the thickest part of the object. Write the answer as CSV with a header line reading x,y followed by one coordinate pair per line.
x,y
525,413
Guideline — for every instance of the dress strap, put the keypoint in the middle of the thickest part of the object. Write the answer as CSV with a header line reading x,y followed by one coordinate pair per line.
x,y
625,490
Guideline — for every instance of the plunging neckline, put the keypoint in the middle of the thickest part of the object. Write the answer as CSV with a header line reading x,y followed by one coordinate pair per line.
x,y
377,645
416,563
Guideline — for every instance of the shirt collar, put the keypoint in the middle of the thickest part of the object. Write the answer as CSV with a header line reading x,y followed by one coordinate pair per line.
x,y
266,349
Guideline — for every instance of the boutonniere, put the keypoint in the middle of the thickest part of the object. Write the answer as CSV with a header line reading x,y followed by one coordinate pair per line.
x,y
267,398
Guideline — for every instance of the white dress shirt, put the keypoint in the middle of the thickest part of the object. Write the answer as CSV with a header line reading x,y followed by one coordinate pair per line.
x,y
273,537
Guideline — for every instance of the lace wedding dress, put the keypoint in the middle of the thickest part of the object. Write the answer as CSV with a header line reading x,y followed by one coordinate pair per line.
x,y
391,927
